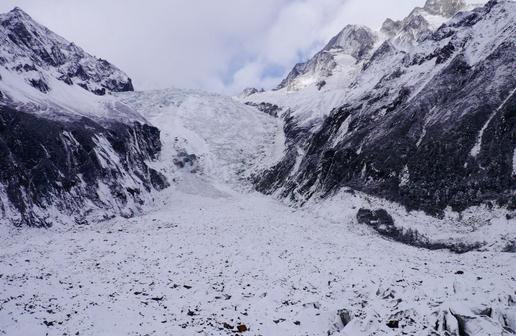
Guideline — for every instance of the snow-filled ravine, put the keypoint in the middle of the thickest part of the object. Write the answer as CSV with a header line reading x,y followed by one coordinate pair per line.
x,y
214,258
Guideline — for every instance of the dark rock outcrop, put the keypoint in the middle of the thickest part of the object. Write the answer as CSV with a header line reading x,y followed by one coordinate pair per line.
x,y
270,109
375,218
50,167
383,223
345,316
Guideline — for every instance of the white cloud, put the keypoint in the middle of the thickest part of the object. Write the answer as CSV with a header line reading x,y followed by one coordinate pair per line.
x,y
222,45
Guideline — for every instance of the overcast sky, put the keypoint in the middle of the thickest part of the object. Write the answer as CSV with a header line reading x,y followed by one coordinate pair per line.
x,y
214,45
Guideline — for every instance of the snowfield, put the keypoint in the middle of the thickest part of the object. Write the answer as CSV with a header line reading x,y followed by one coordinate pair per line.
x,y
211,260
214,258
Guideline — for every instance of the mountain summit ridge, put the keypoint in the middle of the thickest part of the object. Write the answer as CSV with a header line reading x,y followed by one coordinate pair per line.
x,y
446,8
358,41
33,51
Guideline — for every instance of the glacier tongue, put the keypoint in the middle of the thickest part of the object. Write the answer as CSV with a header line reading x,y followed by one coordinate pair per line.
x,y
211,259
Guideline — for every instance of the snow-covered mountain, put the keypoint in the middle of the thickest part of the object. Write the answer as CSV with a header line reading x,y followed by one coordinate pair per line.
x,y
69,150
419,115
347,51
43,73
425,119
41,56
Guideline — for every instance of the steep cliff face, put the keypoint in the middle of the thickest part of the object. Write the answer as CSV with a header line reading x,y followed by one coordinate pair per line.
x,y
429,127
69,151
51,170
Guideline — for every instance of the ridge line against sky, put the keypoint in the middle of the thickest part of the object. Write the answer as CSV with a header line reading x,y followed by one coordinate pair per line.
x,y
221,46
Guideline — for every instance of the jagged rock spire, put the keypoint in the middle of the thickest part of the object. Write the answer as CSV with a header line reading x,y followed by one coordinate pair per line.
x,y
446,8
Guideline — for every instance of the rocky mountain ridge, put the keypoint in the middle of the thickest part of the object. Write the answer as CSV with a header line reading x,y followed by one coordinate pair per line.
x,y
429,127
359,42
38,54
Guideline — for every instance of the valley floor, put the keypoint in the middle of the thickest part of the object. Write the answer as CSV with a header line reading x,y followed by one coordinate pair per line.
x,y
211,260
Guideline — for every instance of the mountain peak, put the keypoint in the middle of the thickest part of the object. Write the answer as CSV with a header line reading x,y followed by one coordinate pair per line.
x,y
38,56
18,12
446,8
354,40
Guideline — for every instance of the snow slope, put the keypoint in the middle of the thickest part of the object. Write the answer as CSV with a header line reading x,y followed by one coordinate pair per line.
x,y
212,259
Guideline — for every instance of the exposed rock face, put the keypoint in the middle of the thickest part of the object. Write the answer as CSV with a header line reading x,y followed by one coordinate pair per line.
x,y
391,27
50,167
30,49
270,109
356,41
421,22
429,128
249,92
382,222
